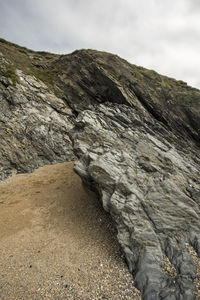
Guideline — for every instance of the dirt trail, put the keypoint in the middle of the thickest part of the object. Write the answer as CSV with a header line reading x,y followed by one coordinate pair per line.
x,y
56,242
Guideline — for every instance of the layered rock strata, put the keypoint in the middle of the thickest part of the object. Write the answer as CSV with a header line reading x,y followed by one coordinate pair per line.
x,y
136,135
34,126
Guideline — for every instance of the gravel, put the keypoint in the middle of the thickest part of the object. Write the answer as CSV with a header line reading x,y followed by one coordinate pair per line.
x,y
56,241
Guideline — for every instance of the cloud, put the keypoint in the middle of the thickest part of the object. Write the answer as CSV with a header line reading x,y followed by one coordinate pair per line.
x,y
161,35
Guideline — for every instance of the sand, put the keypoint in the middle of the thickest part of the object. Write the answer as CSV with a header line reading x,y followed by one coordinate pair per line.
x,y
56,241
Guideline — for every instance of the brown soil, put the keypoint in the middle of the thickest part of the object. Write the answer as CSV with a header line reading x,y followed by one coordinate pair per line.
x,y
56,242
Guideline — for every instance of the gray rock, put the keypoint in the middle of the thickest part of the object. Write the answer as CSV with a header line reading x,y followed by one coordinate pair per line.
x,y
137,137
143,180
34,126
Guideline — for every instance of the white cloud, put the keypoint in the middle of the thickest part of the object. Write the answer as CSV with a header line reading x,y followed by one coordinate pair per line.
x,y
161,35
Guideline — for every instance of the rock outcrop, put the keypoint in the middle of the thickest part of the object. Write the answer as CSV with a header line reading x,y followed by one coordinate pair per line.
x,y
150,186
34,124
136,135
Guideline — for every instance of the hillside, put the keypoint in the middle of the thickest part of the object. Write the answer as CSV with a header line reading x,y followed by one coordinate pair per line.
x,y
135,137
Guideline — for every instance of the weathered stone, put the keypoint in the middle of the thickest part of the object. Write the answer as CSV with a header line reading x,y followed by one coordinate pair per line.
x,y
142,179
34,127
136,135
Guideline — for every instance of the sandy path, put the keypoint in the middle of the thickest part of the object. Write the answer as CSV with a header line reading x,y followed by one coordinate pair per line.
x,y
56,242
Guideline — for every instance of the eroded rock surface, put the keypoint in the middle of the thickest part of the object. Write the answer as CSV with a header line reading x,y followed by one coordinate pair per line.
x,y
34,126
136,134
149,182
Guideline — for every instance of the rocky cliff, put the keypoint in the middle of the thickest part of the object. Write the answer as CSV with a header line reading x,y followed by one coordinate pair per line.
x,y
135,135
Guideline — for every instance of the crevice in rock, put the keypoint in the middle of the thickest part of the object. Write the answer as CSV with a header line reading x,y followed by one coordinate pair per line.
x,y
168,267
149,108
196,260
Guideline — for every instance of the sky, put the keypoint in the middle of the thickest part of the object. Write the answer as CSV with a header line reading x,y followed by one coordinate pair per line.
x,y
163,35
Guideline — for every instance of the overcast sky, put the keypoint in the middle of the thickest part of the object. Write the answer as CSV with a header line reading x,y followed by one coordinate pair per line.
x,y
163,35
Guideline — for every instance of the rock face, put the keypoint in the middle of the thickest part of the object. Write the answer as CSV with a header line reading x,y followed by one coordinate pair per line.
x,y
150,186
136,135
34,126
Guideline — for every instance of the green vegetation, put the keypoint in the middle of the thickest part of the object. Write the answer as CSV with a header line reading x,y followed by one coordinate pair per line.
x,y
157,78
42,66
33,63
44,75
189,99
151,74
10,73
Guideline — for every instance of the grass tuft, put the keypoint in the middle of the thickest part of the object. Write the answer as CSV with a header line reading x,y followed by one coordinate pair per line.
x,y
10,73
